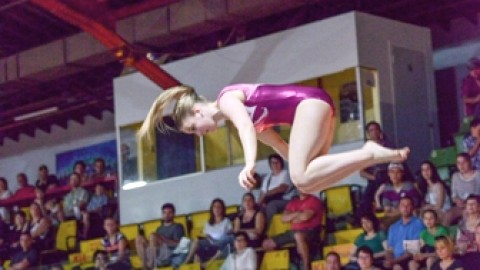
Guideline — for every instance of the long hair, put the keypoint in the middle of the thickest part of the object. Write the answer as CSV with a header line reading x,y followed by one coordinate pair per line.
x,y
211,219
422,182
185,98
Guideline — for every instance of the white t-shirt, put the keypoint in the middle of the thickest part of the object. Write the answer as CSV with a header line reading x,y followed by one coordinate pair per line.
x,y
276,180
245,260
217,231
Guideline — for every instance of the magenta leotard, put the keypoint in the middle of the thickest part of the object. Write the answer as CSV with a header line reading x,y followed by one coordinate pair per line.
x,y
270,105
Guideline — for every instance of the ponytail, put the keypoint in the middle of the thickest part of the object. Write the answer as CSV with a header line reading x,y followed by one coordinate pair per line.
x,y
154,117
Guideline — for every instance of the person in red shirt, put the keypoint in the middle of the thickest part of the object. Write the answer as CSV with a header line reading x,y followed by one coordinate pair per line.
x,y
305,215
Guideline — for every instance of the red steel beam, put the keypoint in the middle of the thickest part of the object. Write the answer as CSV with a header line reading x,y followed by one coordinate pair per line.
x,y
123,51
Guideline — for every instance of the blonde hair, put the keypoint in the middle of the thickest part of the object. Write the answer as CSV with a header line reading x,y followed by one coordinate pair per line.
x,y
185,97
447,241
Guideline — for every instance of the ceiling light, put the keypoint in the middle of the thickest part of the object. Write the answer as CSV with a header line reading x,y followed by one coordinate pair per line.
x,y
35,114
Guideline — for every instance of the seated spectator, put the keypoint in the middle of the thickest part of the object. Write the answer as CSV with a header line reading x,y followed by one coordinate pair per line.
x,y
305,215
277,188
40,228
407,228
365,258
95,209
81,169
116,245
389,194
24,189
4,194
100,259
26,257
471,143
20,227
377,174
45,179
372,238
466,227
250,220
99,167
158,251
75,202
444,248
437,195
427,241
471,259
244,257
50,208
332,261
464,182
217,231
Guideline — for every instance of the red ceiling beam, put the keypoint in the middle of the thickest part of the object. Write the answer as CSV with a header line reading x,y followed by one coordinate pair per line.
x,y
124,51
127,11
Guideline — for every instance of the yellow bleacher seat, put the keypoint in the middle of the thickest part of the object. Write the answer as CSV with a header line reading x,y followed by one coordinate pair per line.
x,y
277,226
232,209
183,219
26,210
66,238
70,266
136,262
276,260
165,268
338,201
190,266
130,231
214,265
347,236
150,227
319,265
6,265
198,220
88,265
343,250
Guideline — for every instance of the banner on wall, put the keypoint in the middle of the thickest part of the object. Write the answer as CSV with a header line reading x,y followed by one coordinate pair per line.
x,y
66,160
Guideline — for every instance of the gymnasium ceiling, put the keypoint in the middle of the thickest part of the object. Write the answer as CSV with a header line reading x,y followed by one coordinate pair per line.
x,y
76,89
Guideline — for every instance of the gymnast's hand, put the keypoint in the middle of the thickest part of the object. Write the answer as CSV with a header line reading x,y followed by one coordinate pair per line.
x,y
246,179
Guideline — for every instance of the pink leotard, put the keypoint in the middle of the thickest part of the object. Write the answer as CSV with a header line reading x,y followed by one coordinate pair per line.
x,y
270,105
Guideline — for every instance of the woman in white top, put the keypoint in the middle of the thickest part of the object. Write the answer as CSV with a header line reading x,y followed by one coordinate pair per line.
x,y
244,257
217,235
4,194
436,192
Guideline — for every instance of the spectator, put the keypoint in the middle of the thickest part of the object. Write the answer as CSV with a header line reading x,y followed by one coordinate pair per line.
x,y
427,241
4,194
444,248
100,259
332,261
377,174
391,193
466,227
4,248
75,202
116,245
26,257
471,142
464,182
372,238
305,215
471,89
40,228
244,257
50,208
250,220
436,192
45,179
217,235
471,259
159,250
96,208
99,167
81,169
407,228
20,227
24,189
365,258
277,188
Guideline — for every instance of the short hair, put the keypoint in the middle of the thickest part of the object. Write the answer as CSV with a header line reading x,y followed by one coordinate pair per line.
x,y
372,123
100,160
168,205
372,218
366,250
447,241
277,157
333,253
98,252
473,197
43,167
245,235
79,162
406,197
465,156
475,122
433,212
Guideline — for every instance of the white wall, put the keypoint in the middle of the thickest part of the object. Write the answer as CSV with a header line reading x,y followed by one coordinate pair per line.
x,y
28,153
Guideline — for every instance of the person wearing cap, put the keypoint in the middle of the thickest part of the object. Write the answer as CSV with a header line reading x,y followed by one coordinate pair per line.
x,y
471,143
389,194
471,88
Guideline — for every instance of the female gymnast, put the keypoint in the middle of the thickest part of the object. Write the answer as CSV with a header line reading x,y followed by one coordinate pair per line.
x,y
254,109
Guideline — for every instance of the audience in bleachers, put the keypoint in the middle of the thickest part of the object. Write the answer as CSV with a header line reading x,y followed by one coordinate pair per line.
x,y
40,228
99,168
464,182
20,226
26,256
116,245
80,168
465,241
4,194
24,188
406,229
277,188
75,202
250,220
427,255
45,179
445,251
372,238
305,215
471,143
217,236
100,260
243,257
365,259
160,248
332,261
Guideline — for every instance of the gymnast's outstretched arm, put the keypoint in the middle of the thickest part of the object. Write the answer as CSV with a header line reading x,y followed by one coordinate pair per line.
x,y
271,138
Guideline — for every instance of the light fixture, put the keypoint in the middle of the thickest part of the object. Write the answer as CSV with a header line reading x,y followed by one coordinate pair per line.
x,y
134,185
35,114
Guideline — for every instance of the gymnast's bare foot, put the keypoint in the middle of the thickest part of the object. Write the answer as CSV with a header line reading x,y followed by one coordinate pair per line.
x,y
382,154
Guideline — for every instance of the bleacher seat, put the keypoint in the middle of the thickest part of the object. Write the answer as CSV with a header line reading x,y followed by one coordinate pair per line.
x,y
214,265
347,236
340,204
443,157
319,265
342,249
198,220
276,260
150,227
65,242
277,226
190,266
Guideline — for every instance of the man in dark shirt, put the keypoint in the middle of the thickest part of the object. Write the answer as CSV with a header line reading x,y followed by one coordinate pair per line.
x,y
26,257
159,249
